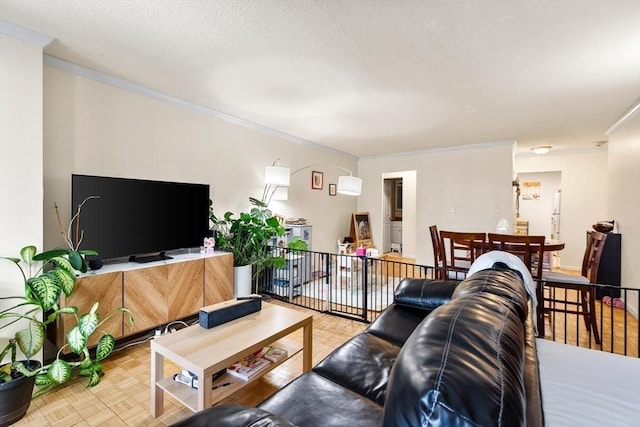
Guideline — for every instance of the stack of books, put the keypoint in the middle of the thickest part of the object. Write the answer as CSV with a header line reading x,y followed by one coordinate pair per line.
x,y
253,364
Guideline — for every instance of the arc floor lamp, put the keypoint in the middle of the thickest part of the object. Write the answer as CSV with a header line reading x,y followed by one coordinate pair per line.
x,y
277,179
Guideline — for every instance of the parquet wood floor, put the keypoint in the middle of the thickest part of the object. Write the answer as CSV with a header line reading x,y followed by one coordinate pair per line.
x,y
123,396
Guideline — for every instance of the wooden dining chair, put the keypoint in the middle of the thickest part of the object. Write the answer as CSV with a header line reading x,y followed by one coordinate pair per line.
x,y
584,304
530,249
458,250
435,243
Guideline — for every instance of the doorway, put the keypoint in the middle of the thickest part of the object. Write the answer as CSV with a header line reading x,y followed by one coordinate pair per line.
x,y
392,215
540,202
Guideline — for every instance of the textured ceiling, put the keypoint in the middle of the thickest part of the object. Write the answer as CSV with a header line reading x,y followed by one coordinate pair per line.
x,y
369,77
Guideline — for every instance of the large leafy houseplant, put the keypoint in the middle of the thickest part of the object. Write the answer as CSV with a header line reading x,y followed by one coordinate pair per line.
x,y
47,276
247,236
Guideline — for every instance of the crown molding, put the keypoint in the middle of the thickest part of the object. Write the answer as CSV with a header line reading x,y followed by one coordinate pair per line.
x,y
25,35
632,111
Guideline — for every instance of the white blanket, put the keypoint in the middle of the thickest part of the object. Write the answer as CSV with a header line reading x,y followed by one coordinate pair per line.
x,y
487,260
584,387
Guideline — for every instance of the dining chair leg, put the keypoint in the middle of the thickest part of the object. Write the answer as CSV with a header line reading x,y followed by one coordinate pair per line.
x,y
592,315
586,312
540,309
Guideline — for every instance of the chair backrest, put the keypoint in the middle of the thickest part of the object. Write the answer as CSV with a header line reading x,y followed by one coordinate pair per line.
x,y
592,255
458,250
435,242
530,249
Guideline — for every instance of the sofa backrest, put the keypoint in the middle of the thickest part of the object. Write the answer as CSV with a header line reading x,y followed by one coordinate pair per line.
x,y
463,364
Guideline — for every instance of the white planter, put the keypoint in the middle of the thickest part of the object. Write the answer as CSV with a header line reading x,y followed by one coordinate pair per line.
x,y
242,280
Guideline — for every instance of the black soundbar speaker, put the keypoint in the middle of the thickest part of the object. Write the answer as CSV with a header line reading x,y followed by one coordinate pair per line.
x,y
217,314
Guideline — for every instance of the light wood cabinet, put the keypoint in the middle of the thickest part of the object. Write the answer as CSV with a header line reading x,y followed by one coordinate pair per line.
x,y
218,279
106,288
159,294
156,293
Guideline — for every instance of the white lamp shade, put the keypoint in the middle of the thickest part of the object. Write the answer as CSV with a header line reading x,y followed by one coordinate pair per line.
x,y
349,185
280,193
276,175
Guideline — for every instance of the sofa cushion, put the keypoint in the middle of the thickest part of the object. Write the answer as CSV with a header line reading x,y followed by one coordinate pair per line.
x,y
396,323
497,281
424,293
313,400
362,365
462,366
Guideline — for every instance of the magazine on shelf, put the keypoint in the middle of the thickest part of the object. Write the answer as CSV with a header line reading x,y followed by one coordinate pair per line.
x,y
275,354
250,366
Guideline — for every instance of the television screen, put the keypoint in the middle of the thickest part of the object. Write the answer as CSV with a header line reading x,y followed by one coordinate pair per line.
x,y
135,217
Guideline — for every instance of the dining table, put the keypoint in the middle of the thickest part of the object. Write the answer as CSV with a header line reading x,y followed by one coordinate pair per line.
x,y
552,245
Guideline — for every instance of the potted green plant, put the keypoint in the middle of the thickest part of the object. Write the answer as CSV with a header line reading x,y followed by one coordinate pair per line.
x,y
46,276
247,237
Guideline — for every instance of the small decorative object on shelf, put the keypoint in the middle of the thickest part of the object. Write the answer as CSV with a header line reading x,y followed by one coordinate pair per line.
x,y
209,245
186,378
275,354
189,378
603,226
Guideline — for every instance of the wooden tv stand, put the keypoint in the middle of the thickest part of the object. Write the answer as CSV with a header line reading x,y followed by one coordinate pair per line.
x,y
156,293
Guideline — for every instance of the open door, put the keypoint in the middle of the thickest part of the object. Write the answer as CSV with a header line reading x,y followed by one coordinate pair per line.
x,y
386,215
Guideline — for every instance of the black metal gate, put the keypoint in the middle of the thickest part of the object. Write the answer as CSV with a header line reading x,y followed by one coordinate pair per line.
x,y
351,286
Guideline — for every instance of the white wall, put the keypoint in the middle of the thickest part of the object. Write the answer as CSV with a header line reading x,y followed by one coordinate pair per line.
x,y
584,195
463,189
624,199
21,158
94,128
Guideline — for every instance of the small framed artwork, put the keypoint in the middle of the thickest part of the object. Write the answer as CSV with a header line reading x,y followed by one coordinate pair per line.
x,y
332,189
361,229
316,180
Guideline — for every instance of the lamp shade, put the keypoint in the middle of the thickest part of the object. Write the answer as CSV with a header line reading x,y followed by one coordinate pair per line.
x,y
280,193
276,175
349,185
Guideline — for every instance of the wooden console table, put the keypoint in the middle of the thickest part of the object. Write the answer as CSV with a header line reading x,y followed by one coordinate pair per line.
x,y
207,351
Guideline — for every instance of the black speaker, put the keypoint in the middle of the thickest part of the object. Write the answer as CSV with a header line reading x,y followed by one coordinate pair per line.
x,y
96,264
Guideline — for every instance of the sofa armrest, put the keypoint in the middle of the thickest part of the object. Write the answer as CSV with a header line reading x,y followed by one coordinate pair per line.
x,y
233,416
424,293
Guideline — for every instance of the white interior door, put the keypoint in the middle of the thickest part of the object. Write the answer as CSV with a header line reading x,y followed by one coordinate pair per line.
x,y
386,215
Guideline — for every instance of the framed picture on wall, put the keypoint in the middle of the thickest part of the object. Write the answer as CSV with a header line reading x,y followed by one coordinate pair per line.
x,y
316,180
332,189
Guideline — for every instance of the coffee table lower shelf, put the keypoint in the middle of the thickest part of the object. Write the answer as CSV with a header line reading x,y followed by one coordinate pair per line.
x,y
188,396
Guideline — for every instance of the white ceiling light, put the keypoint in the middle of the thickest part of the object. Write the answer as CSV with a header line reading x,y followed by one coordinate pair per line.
x,y
542,149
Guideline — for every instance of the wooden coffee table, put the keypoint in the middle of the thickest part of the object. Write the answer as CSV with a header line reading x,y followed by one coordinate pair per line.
x,y
207,351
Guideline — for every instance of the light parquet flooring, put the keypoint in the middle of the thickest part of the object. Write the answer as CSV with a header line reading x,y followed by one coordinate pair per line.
x,y
123,396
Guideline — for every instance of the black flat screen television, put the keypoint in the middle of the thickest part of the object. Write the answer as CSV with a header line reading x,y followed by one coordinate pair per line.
x,y
140,219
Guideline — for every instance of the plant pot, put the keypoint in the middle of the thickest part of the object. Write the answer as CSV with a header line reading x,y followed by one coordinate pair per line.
x,y
15,396
242,280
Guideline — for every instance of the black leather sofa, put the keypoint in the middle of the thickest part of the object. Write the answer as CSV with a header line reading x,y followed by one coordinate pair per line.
x,y
443,354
